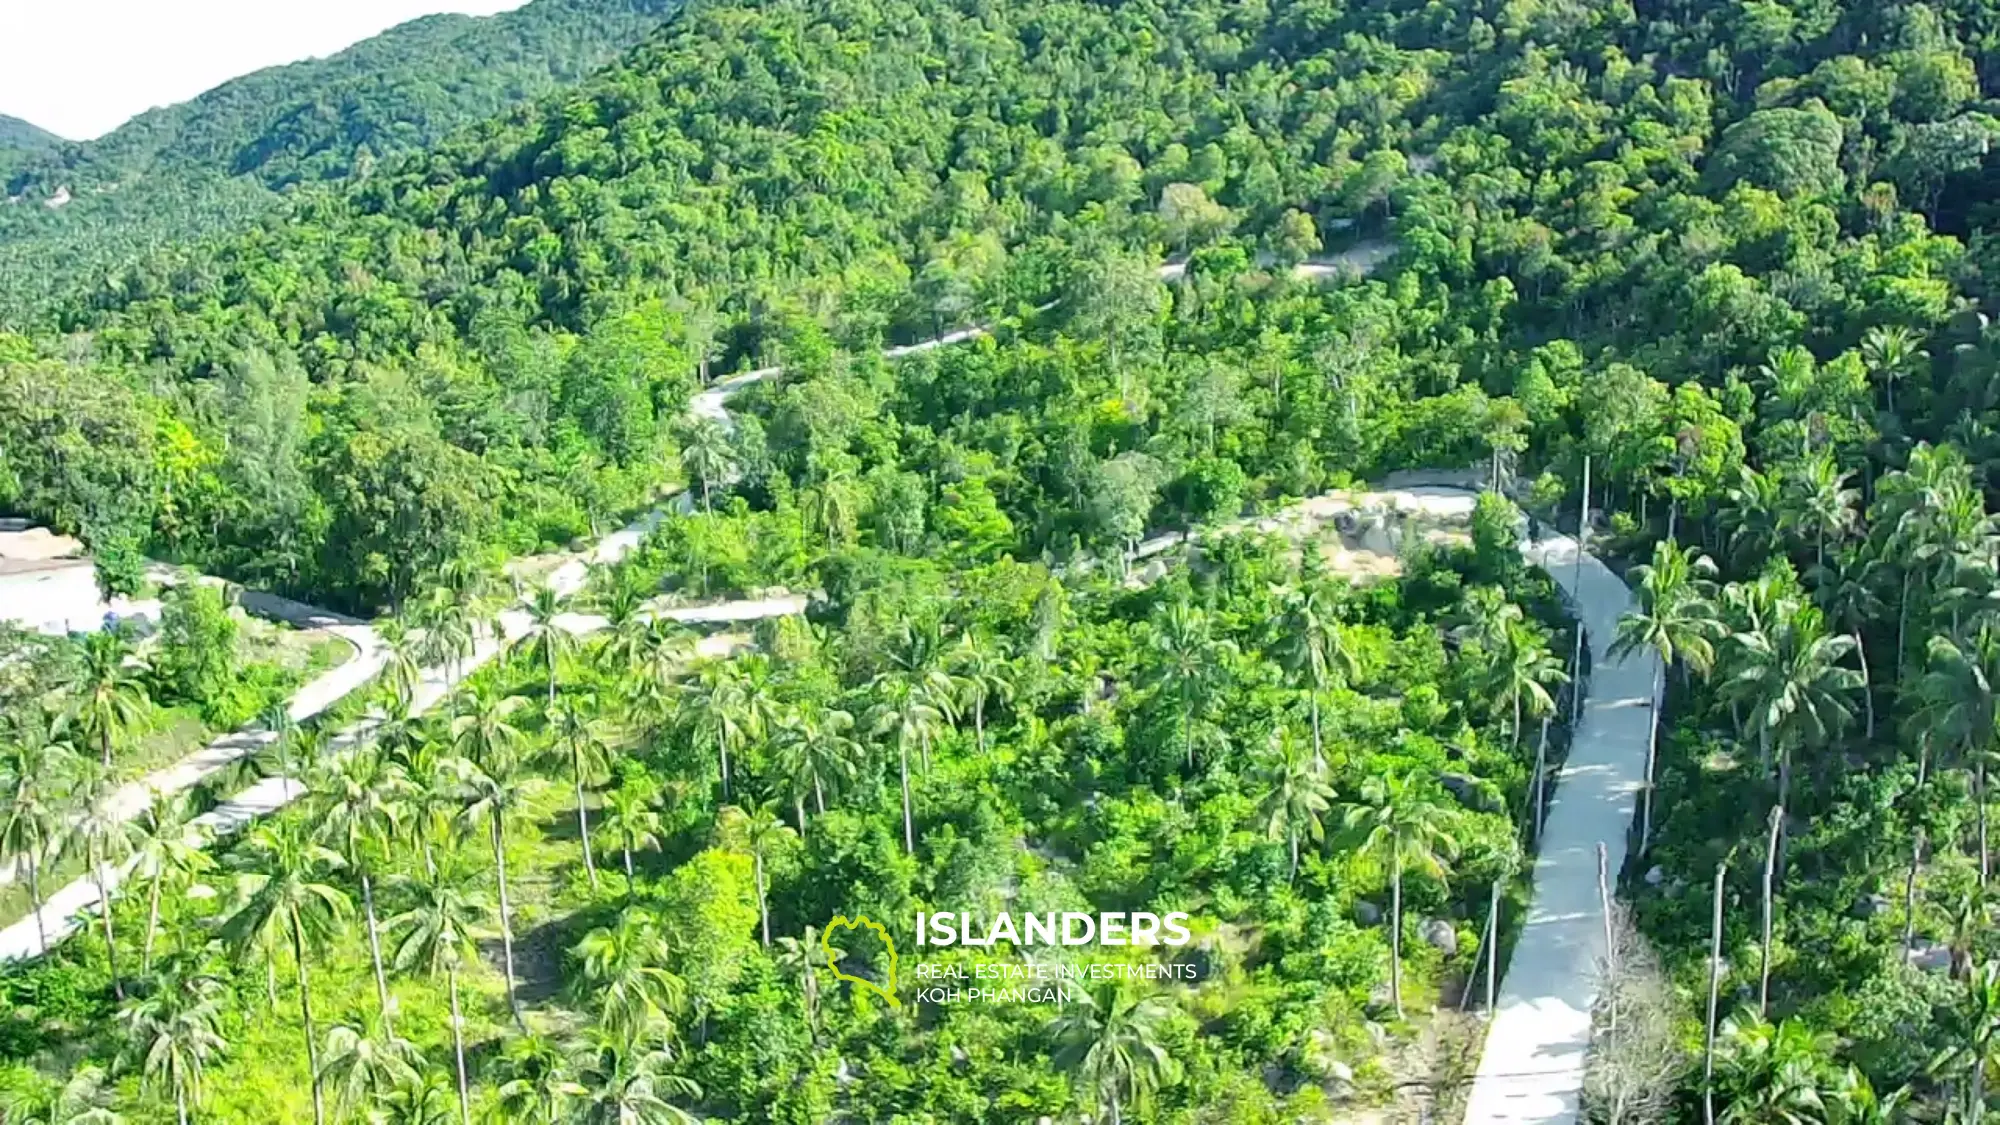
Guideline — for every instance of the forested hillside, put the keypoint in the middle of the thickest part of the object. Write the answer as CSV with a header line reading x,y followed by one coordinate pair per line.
x,y
1737,256
182,173
18,137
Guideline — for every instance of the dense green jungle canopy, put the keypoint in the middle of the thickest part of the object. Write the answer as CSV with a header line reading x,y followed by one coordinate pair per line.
x,y
1736,254
214,165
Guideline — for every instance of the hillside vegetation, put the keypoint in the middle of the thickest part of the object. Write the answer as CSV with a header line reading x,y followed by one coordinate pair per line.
x,y
210,166
1736,256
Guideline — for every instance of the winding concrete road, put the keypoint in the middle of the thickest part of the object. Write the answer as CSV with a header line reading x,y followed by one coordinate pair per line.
x,y
1532,1067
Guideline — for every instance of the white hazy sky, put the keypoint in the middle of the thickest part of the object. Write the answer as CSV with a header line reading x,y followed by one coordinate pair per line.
x,y
80,68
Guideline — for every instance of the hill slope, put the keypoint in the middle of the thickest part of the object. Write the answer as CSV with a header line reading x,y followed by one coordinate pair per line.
x,y
17,135
208,165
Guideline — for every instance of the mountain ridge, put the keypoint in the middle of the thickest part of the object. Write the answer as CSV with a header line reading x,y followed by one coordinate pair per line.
x,y
207,166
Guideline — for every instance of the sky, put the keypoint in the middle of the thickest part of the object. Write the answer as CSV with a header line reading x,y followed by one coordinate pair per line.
x,y
80,68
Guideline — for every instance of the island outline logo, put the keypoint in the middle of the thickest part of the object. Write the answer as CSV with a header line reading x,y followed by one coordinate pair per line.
x,y
843,922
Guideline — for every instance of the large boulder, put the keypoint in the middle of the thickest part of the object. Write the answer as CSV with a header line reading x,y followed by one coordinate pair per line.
x,y
1367,914
1439,935
1870,906
1471,792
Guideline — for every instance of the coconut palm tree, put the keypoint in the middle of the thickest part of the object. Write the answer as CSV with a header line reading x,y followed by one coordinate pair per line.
x,y
980,669
1676,620
626,629
433,934
832,506
1297,795
33,762
1403,828
1189,663
1848,592
706,456
718,710
631,817
84,1098
1775,1073
1110,1043
109,692
1751,514
167,848
1790,671
1977,1051
421,1099
1890,353
627,1082
622,976
905,713
814,753
538,1081
1312,646
358,799
279,890
761,832
1959,705
580,739
804,957
547,643
363,1065
1820,506
94,834
483,730
491,794
402,665
1521,670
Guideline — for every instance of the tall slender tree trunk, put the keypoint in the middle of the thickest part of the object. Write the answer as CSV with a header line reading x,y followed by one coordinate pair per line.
x,y
306,1015
1910,893
1902,624
799,813
722,753
458,1048
180,1106
506,921
152,924
35,901
763,903
1493,945
1396,928
979,723
1611,960
1319,754
1867,683
1979,795
582,816
1770,868
625,846
1652,756
1714,992
104,913
909,838
1541,780
375,952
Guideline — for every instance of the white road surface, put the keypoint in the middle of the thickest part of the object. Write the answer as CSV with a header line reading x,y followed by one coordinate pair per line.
x,y
1532,1067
